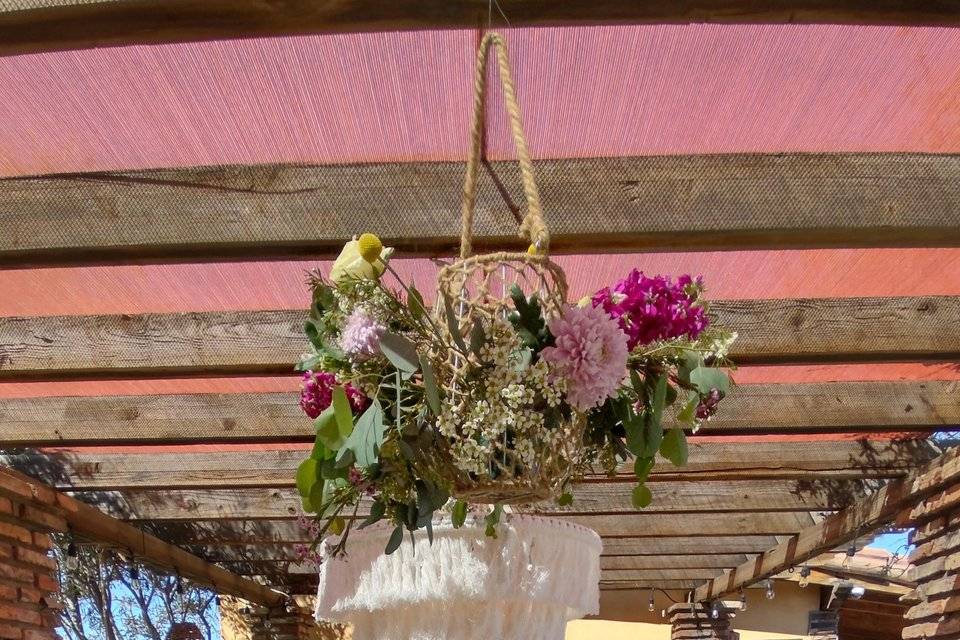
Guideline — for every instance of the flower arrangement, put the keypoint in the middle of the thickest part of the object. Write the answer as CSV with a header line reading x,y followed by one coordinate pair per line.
x,y
415,408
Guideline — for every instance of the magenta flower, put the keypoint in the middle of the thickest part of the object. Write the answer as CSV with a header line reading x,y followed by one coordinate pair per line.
x,y
652,309
589,353
316,394
360,339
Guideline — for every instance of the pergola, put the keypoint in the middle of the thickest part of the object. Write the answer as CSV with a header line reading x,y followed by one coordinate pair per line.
x,y
171,169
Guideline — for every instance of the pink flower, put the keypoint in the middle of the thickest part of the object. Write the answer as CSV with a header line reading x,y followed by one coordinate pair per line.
x,y
361,335
652,309
589,353
316,394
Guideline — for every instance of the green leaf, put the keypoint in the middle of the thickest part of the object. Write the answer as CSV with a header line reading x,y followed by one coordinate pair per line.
x,y
429,526
688,414
415,303
690,360
328,431
674,447
337,525
453,324
317,495
307,505
377,511
307,474
565,500
345,458
641,496
492,520
478,337
342,412
323,296
707,378
654,428
400,351
367,436
430,385
642,468
459,513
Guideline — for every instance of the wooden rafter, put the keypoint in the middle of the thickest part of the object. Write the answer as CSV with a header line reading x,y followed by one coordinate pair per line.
x,y
55,26
832,460
265,417
268,342
866,515
675,203
93,525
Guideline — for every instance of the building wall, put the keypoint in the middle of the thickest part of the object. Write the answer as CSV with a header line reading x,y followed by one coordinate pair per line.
x,y
624,615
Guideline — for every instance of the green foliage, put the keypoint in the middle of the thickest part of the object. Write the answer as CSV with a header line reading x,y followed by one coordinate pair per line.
x,y
400,351
528,321
565,500
367,436
342,412
395,539
641,496
674,447
453,324
430,389
707,378
492,520
459,513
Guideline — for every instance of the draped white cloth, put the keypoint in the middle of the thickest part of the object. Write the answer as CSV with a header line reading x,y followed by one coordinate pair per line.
x,y
524,585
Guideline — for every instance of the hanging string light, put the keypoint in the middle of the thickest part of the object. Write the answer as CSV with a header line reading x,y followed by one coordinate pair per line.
x,y
650,605
743,600
770,593
715,610
73,557
804,577
851,552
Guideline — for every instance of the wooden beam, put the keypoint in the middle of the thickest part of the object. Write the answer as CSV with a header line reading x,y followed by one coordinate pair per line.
x,y
590,499
55,26
268,342
711,202
867,515
712,561
814,461
91,524
273,417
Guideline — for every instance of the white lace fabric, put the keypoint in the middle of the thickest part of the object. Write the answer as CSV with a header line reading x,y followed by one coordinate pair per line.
x,y
526,584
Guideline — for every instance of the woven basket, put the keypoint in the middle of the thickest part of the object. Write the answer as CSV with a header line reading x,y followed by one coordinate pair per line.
x,y
478,287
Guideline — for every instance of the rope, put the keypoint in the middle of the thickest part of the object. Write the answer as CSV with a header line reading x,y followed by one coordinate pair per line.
x,y
533,226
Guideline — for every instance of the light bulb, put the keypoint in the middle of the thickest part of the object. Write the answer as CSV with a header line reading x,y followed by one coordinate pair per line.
x,y
650,606
804,577
852,551
135,577
743,600
73,561
771,594
715,611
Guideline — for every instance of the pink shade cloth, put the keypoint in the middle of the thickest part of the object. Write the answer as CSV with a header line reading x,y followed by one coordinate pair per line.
x,y
584,92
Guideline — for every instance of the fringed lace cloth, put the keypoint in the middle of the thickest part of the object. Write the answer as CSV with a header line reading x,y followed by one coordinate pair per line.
x,y
524,585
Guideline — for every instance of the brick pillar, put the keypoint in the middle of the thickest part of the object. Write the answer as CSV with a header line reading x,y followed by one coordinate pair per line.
x,y
28,583
240,620
936,567
695,622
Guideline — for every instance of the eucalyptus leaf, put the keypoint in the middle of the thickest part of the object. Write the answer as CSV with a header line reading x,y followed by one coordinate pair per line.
x,y
565,500
478,337
395,539
415,303
307,505
400,351
430,385
307,474
342,412
453,323
688,415
674,447
654,417
337,525
345,459
641,496
377,511
367,436
459,513
642,468
328,431
429,526
707,378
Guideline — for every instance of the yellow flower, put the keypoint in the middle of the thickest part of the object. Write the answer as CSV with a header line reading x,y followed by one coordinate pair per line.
x,y
351,262
534,250
369,247
584,301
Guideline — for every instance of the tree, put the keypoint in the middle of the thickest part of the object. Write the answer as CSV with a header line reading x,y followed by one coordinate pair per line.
x,y
107,597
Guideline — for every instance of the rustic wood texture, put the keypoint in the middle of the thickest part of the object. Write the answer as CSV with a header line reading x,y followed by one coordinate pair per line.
x,y
752,496
54,28
274,212
91,524
265,417
261,342
810,463
879,508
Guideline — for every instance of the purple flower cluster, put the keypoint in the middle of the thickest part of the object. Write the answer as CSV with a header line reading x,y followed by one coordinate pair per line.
x,y
708,405
652,309
316,394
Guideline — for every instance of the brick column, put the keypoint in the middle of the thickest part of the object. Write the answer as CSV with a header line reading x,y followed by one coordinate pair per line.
x,y
695,622
936,567
240,620
28,583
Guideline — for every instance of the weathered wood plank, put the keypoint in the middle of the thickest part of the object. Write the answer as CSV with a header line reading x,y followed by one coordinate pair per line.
x,y
279,212
110,24
265,417
259,342
590,499
834,461
866,515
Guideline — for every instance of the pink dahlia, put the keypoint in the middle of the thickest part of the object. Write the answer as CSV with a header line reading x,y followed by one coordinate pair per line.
x,y
589,353
316,394
652,309
361,335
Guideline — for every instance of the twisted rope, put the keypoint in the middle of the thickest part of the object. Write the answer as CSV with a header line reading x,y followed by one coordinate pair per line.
x,y
533,226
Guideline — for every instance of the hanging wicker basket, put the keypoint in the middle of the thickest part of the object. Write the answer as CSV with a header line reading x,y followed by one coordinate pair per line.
x,y
184,631
478,288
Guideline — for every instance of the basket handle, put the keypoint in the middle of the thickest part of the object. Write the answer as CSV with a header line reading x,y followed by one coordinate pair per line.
x,y
533,226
